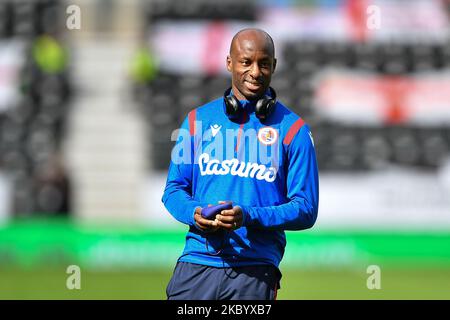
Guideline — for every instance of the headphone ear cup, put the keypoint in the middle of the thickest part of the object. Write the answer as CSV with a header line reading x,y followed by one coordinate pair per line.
x,y
232,106
264,107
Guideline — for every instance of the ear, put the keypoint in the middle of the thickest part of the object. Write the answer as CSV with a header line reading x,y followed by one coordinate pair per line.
x,y
229,63
274,65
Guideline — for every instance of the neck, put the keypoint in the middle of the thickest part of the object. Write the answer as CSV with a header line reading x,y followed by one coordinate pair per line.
x,y
237,93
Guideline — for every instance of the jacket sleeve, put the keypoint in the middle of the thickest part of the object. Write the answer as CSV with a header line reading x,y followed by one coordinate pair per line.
x,y
300,212
177,196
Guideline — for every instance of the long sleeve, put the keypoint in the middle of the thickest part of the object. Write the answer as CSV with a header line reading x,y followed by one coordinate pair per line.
x,y
177,196
302,182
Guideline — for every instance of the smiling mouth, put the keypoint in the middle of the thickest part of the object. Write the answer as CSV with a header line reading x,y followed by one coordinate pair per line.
x,y
253,86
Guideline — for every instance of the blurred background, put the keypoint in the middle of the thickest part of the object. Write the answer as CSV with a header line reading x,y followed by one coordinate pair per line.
x,y
91,90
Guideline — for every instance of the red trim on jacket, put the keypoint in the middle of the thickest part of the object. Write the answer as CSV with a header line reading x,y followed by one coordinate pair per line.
x,y
293,131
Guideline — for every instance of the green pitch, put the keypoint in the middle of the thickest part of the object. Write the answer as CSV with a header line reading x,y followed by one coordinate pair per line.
x,y
398,283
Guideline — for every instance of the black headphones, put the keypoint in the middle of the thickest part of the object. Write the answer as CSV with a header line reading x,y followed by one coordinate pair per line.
x,y
263,108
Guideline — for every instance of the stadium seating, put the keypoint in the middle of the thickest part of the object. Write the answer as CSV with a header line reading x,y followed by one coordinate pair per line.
x,y
32,130
340,147
200,9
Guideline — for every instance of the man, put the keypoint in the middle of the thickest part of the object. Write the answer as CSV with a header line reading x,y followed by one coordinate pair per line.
x,y
251,150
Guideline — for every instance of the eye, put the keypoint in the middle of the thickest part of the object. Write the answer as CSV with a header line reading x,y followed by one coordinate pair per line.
x,y
245,62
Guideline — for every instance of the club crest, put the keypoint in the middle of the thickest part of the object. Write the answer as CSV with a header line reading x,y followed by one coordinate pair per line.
x,y
267,135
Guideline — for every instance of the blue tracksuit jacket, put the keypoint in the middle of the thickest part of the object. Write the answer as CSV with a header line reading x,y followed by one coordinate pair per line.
x,y
268,169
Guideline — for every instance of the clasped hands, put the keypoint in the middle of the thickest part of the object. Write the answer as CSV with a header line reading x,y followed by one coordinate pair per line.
x,y
229,220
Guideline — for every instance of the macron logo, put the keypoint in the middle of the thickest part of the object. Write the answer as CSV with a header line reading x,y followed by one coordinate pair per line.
x,y
214,129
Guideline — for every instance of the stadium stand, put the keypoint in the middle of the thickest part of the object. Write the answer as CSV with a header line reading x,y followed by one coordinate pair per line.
x,y
340,146
32,125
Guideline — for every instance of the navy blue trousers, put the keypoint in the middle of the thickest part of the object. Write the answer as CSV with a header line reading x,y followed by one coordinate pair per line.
x,y
198,282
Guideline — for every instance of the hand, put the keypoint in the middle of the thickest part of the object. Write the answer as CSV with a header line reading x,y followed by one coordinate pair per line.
x,y
205,225
230,219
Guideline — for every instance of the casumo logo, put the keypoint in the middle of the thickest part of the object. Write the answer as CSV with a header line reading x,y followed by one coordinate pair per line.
x,y
235,168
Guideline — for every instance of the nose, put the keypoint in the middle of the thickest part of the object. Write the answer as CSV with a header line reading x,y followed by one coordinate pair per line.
x,y
255,72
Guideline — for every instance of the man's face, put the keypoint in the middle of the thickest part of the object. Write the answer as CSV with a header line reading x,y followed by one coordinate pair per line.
x,y
251,64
